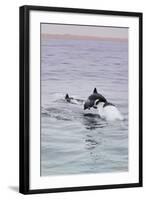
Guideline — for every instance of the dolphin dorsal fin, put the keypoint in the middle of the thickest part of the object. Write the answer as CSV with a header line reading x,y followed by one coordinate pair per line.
x,y
66,96
95,91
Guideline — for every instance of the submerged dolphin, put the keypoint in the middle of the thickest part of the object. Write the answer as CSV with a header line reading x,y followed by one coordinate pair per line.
x,y
93,99
68,98
73,100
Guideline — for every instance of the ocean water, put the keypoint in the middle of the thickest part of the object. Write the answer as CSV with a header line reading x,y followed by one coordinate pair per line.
x,y
73,140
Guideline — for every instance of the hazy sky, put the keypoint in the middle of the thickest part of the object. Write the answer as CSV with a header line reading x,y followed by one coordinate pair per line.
x,y
105,32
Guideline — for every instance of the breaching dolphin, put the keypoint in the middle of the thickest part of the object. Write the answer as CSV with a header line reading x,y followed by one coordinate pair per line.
x,y
93,99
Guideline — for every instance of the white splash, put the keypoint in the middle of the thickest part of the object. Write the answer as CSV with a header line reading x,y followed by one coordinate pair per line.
x,y
109,113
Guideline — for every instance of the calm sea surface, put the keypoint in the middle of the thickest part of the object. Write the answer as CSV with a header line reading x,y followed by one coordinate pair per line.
x,y
74,141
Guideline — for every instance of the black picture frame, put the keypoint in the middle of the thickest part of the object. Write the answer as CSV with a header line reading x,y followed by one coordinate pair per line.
x,y
24,122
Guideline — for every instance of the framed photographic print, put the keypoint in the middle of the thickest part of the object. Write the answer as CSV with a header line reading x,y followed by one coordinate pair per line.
x,y
80,99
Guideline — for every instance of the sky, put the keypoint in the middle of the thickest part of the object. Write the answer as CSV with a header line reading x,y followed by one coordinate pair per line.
x,y
91,31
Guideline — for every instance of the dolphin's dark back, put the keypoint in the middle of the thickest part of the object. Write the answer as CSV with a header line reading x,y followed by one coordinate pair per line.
x,y
92,98
95,96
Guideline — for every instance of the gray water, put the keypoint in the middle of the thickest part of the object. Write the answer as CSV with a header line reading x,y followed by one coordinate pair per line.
x,y
74,141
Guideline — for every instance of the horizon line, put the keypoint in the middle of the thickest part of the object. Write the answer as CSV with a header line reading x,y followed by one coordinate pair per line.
x,y
81,37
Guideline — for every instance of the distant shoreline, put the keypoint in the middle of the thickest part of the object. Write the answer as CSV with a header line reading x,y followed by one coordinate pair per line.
x,y
81,37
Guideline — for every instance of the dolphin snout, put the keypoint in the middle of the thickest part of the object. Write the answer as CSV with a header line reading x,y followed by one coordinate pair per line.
x,y
86,105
